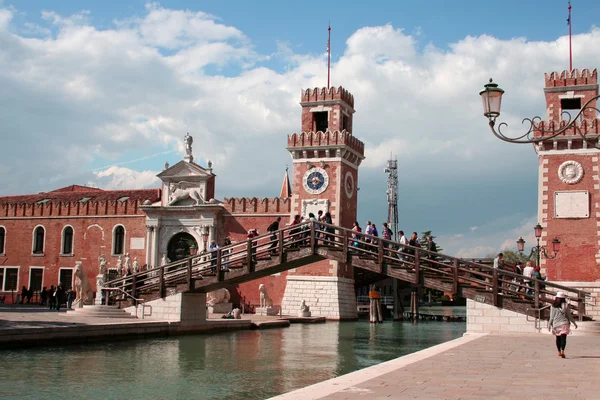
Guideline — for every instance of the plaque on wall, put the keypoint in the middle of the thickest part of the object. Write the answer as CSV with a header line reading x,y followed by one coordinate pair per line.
x,y
572,204
137,243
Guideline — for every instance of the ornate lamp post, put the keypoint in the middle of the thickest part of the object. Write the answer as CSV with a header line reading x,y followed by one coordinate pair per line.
x,y
538,250
193,249
491,96
205,234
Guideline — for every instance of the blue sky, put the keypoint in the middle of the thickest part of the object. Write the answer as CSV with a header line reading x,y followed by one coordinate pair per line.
x,y
90,85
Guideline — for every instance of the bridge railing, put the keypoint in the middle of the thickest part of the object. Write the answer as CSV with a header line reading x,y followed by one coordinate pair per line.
x,y
385,253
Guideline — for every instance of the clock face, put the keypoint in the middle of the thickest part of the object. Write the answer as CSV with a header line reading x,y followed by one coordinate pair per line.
x,y
349,184
315,180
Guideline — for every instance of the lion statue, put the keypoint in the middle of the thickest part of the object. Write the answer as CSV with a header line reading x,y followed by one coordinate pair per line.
x,y
184,190
265,300
218,296
83,289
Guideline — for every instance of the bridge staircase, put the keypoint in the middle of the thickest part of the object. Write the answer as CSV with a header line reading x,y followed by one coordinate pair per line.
x,y
303,244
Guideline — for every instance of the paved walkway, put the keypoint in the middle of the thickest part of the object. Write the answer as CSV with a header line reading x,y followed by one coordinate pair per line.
x,y
476,367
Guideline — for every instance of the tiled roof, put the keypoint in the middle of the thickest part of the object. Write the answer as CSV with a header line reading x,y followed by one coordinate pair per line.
x,y
77,193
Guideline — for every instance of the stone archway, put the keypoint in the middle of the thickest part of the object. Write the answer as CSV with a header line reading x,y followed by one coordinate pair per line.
x,y
179,246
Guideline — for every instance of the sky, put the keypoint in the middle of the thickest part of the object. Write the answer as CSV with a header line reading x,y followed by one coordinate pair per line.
x,y
102,93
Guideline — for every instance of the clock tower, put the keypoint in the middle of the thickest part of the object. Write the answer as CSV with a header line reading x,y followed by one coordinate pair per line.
x,y
326,157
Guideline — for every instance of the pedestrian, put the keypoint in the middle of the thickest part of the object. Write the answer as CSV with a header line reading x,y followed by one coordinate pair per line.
x,y
213,255
498,264
51,297
43,296
294,236
376,234
355,234
59,296
329,239
225,253
272,229
560,322
70,297
516,281
403,242
252,233
432,247
527,271
368,231
386,234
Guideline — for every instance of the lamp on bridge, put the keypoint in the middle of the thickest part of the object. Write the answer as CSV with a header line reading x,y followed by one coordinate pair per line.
x,y
205,234
538,250
491,96
193,249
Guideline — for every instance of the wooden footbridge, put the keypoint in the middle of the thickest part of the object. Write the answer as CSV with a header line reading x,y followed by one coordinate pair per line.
x,y
303,244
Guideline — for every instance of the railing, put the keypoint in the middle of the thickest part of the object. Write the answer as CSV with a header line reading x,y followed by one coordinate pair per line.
x,y
137,302
385,253
384,300
537,316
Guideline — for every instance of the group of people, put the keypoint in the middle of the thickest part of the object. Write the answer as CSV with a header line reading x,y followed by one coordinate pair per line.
x,y
528,274
54,298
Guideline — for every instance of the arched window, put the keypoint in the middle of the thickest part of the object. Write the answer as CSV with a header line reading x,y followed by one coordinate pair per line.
x,y
2,239
119,240
67,240
38,240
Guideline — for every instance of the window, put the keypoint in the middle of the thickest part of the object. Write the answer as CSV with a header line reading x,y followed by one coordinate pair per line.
x,y
9,277
345,123
67,240
119,240
574,105
321,122
35,278
2,239
65,278
38,240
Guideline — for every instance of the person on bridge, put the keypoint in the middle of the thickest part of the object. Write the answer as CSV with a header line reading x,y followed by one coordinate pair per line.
x,y
355,232
272,229
294,233
329,239
560,322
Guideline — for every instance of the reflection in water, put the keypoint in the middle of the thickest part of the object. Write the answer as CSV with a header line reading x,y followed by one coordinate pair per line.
x,y
236,365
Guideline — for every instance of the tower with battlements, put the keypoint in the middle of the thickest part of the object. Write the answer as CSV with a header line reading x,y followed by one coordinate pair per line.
x,y
569,181
326,157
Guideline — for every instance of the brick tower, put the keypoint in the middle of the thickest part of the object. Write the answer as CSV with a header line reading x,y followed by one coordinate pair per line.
x,y
569,184
326,157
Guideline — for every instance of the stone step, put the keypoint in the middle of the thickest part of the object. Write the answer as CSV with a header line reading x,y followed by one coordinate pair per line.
x,y
100,311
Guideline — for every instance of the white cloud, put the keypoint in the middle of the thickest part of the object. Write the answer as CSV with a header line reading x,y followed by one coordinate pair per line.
x,y
120,178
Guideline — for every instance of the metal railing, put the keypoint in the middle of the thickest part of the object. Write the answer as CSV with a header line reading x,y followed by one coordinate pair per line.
x,y
140,302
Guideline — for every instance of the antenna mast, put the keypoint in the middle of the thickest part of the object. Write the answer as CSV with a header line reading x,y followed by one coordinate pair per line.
x,y
392,194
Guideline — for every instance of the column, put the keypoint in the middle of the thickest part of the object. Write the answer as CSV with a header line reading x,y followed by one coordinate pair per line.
x,y
154,255
149,230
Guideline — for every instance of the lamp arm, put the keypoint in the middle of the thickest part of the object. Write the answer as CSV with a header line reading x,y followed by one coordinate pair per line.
x,y
534,126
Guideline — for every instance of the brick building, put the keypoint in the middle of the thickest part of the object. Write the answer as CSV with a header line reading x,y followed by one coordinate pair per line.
x,y
43,235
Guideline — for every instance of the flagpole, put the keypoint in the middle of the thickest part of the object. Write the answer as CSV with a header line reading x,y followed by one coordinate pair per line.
x,y
328,56
570,36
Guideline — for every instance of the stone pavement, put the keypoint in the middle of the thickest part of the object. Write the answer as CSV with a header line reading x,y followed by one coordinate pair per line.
x,y
511,366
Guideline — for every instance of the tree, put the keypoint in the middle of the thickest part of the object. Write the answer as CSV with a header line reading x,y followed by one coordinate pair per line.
x,y
423,240
512,257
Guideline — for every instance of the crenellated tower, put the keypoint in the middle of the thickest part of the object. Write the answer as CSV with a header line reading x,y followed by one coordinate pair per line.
x,y
569,183
326,157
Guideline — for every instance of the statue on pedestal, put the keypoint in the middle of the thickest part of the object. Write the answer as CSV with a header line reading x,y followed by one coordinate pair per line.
x,y
102,261
187,141
304,310
127,265
218,301
120,266
265,300
164,260
82,286
136,266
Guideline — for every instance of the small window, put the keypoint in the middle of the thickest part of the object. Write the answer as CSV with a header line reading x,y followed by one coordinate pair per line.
x,y
346,123
67,240
321,122
573,106
35,279
119,240
38,240
9,278
65,278
2,239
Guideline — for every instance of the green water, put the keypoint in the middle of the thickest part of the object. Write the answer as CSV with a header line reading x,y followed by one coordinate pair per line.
x,y
236,365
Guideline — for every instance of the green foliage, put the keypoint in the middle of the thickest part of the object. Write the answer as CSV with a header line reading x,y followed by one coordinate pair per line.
x,y
424,241
511,257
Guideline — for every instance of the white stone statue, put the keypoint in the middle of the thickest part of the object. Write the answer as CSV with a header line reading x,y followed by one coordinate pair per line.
x,y
304,310
120,265
188,140
237,314
127,263
136,266
184,190
82,286
265,300
164,260
102,261
217,297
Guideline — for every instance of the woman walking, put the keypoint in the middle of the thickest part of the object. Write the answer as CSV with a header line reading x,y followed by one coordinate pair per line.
x,y
560,322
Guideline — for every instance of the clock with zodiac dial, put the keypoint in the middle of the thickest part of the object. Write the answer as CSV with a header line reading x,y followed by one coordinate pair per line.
x,y
315,180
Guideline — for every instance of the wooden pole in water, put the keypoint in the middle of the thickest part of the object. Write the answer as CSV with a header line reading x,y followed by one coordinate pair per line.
x,y
375,315
398,306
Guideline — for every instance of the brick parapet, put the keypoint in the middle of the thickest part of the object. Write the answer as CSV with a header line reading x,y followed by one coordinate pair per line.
x,y
254,205
571,78
325,139
327,94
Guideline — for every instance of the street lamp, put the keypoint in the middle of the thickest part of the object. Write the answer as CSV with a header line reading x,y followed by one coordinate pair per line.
x,y
491,96
205,234
537,250
193,249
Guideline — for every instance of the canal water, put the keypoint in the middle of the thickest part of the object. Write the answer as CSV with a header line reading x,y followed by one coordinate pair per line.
x,y
234,365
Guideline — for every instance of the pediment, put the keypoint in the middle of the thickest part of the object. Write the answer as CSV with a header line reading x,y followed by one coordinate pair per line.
x,y
185,170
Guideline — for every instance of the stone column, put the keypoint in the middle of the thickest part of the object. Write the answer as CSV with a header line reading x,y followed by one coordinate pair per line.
x,y
149,246
155,257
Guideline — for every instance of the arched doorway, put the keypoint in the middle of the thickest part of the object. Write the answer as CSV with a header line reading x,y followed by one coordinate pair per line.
x,y
179,246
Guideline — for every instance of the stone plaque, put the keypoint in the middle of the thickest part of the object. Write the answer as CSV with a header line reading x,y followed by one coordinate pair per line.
x,y
137,243
572,204
313,206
